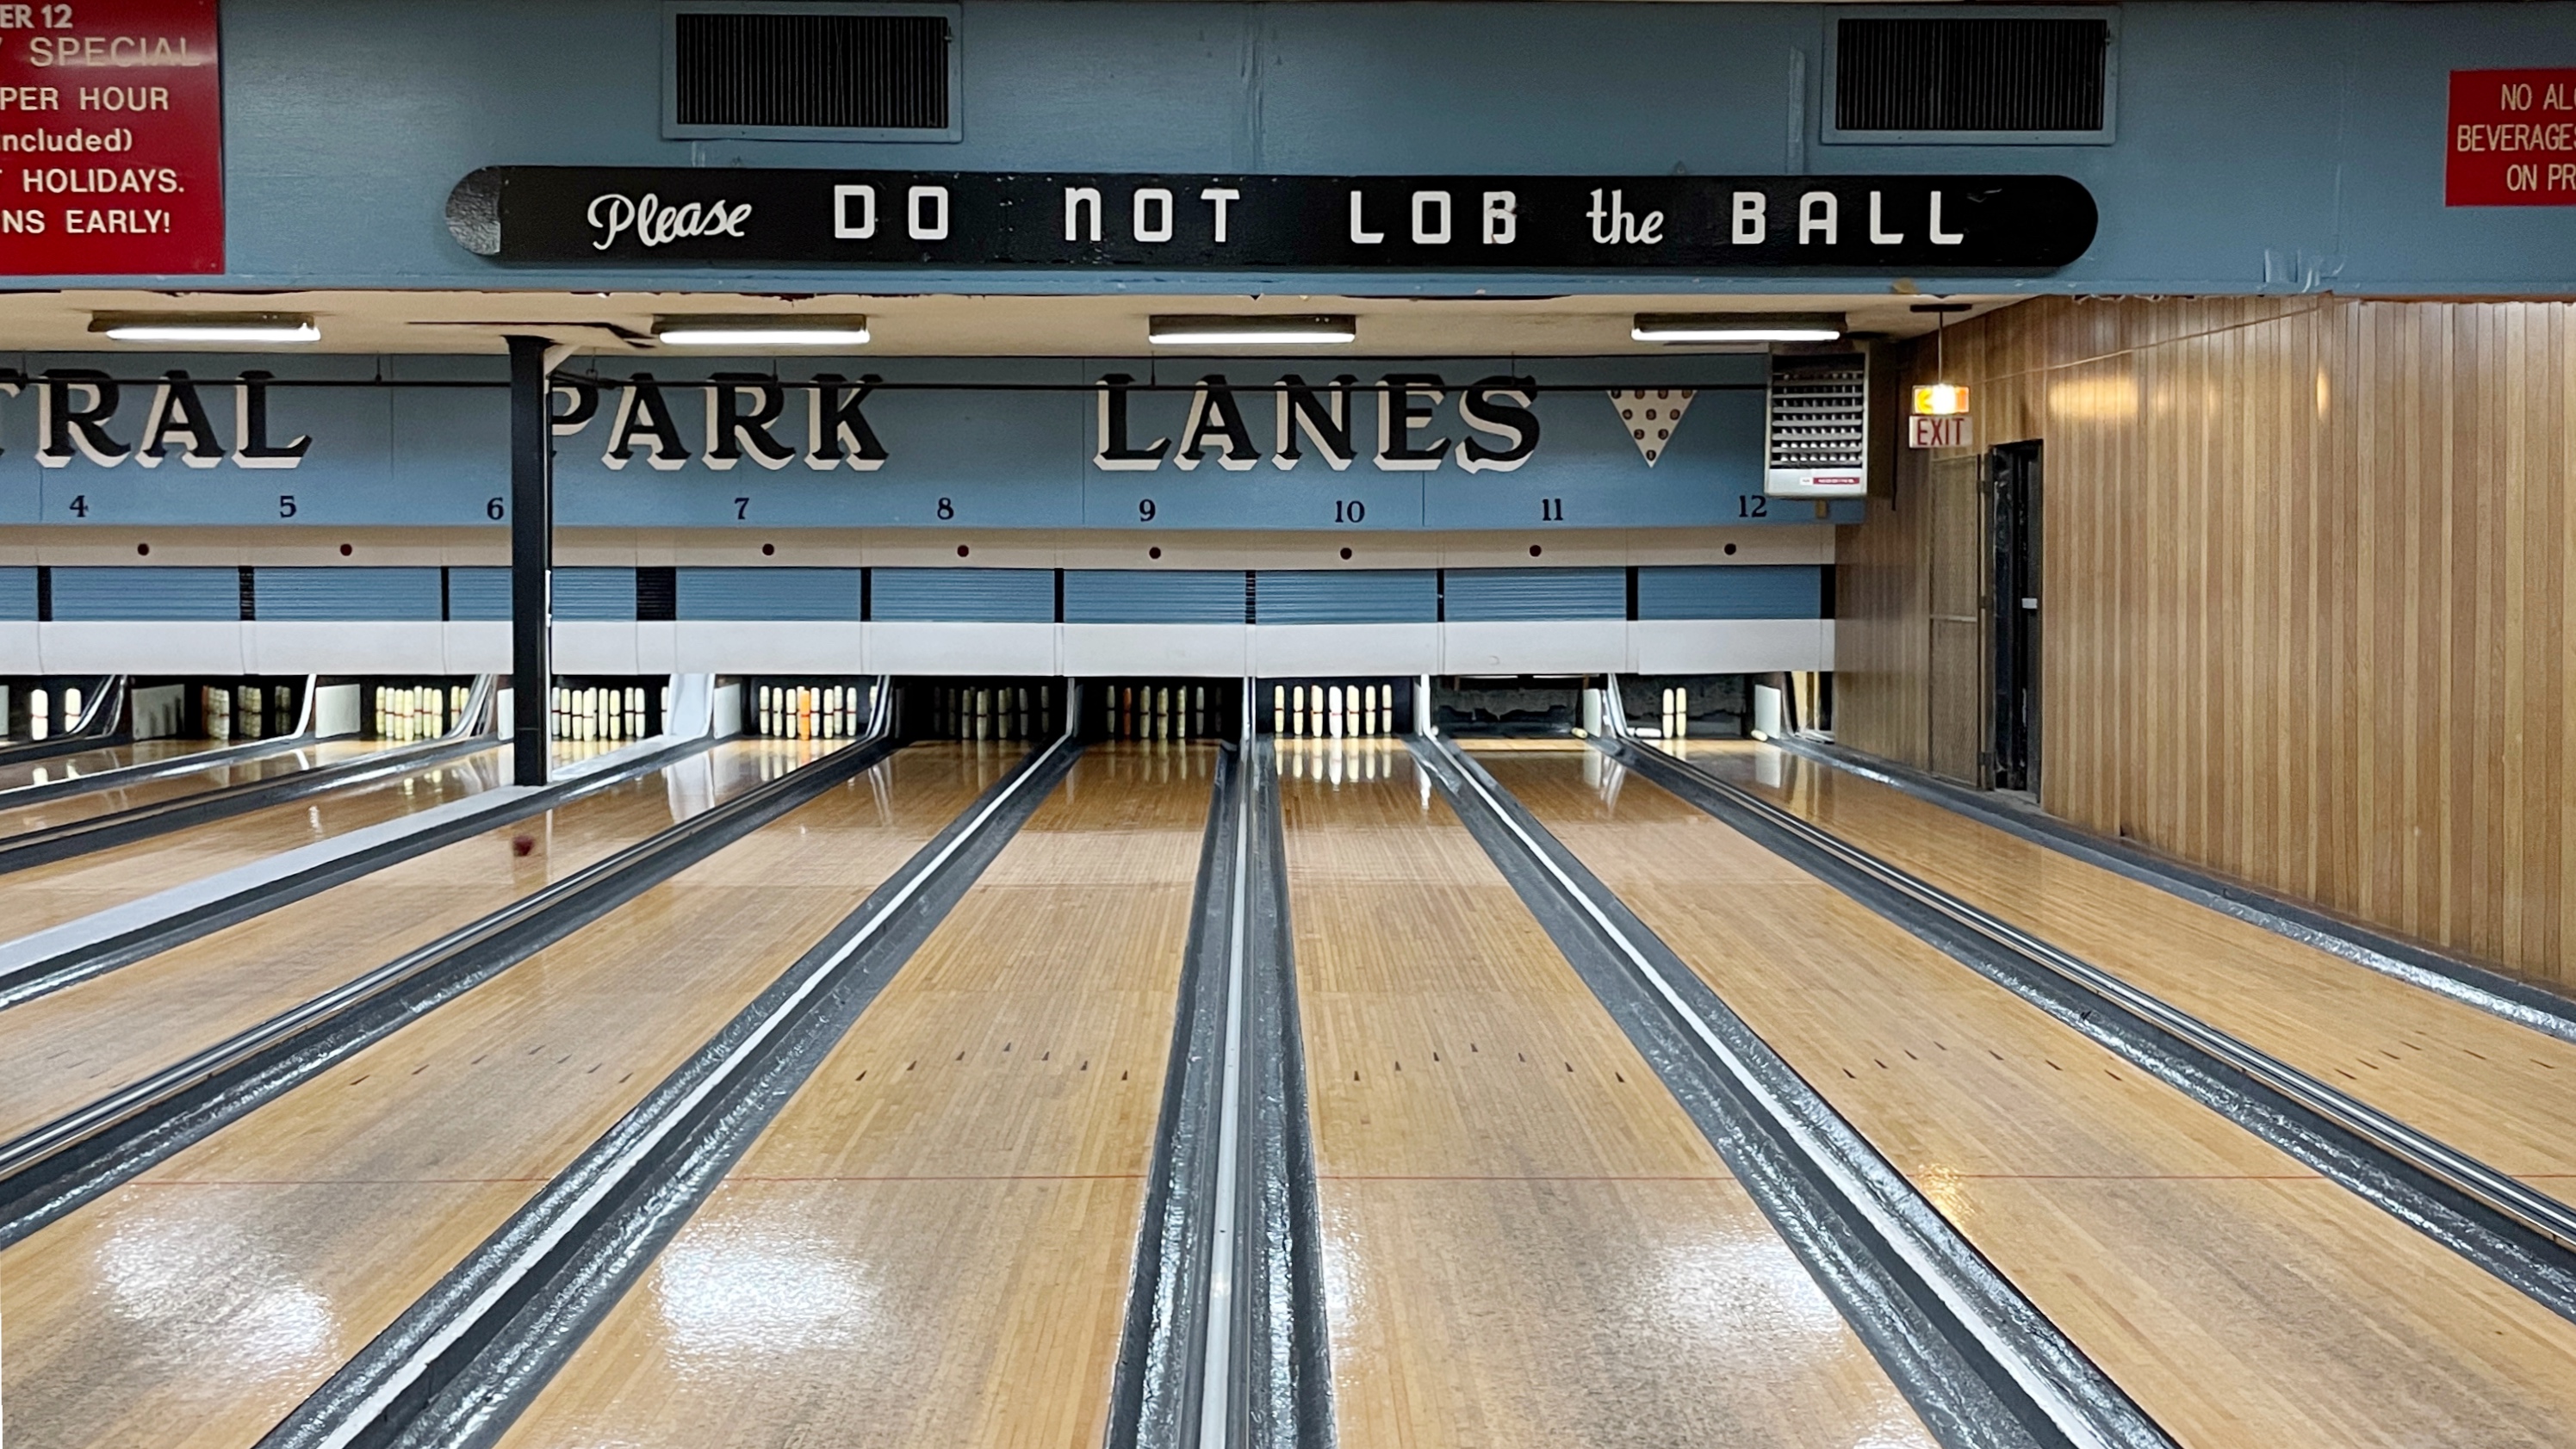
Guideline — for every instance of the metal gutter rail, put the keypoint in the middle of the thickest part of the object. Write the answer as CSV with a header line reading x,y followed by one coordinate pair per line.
x,y
98,725
2516,1001
467,1357
2524,1238
53,1169
169,769
80,837
27,981
1222,1343
1982,1366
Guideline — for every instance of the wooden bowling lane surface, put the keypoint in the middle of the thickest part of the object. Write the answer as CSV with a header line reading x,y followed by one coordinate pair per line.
x,y
64,890
66,1048
104,758
199,1303
2503,1093
1527,1243
2237,1296
90,804
930,1246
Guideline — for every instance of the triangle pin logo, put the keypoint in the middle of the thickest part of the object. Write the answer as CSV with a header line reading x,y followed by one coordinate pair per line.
x,y
1650,414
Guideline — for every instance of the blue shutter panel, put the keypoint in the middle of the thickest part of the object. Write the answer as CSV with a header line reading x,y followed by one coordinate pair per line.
x,y
1346,596
352,593
1508,595
991,596
1153,596
771,593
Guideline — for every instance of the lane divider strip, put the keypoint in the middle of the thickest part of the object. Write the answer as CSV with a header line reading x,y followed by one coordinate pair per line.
x,y
2076,1399
468,1356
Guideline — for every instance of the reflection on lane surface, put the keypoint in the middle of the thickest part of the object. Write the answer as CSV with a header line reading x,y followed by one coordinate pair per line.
x,y
1527,1242
342,1201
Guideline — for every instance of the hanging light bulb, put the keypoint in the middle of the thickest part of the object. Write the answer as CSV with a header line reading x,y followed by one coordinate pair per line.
x,y
1941,398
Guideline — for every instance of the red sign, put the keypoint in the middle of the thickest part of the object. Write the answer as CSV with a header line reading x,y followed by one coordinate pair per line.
x,y
111,138
1957,430
2513,138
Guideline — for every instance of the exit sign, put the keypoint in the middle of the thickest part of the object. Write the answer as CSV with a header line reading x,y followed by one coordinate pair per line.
x,y
2512,138
1956,431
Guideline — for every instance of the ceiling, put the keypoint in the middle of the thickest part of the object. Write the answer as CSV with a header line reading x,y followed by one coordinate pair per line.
x,y
620,323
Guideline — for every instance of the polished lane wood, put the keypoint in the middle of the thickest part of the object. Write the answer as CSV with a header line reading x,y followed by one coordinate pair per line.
x,y
91,804
2503,1093
60,1050
1527,1244
198,1304
930,1247
48,895
2237,1296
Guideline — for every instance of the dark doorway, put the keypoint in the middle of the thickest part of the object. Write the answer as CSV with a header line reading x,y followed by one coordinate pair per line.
x,y
2012,511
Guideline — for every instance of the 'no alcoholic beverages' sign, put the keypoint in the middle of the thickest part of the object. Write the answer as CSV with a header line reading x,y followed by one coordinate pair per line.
x,y
2513,138
111,138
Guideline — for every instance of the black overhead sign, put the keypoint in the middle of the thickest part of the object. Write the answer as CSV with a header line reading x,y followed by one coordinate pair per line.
x,y
571,214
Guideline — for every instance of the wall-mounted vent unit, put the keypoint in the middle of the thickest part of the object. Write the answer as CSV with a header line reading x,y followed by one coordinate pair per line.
x,y
1953,79
1816,431
813,72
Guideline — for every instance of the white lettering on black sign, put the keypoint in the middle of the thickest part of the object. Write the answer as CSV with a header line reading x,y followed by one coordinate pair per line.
x,y
1885,224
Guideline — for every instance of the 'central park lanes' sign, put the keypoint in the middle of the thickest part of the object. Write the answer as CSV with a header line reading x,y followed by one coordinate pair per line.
x,y
745,216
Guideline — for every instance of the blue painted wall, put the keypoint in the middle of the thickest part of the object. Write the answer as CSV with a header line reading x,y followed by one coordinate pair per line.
x,y
2259,146
959,459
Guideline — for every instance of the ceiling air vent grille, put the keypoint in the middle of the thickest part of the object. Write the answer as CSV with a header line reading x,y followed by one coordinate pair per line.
x,y
807,71
1816,439
1971,75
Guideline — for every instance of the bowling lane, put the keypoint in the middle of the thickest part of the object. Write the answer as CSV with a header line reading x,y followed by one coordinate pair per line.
x,y
2503,1093
1527,1242
199,1303
91,804
48,895
930,1246
2238,1297
101,759
60,1050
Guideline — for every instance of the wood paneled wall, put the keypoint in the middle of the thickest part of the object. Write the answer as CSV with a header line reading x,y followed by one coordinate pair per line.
x,y
2306,565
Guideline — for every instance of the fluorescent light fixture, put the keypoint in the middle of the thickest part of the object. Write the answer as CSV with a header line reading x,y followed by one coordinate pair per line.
x,y
811,329
1737,327
1316,331
205,327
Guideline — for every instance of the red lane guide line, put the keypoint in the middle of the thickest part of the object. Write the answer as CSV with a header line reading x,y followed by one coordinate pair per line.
x,y
2512,138
111,138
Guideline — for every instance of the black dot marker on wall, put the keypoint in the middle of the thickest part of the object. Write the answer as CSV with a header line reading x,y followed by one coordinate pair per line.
x,y
1346,553
1153,553
346,550
768,549
961,550
1534,550
143,548
1730,549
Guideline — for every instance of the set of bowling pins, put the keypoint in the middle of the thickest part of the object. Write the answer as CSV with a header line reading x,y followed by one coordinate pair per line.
x,y
419,712
830,712
1157,711
1676,713
1332,710
247,712
599,713
41,719
1007,712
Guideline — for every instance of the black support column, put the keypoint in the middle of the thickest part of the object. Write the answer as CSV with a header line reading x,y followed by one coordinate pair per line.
x,y
532,556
